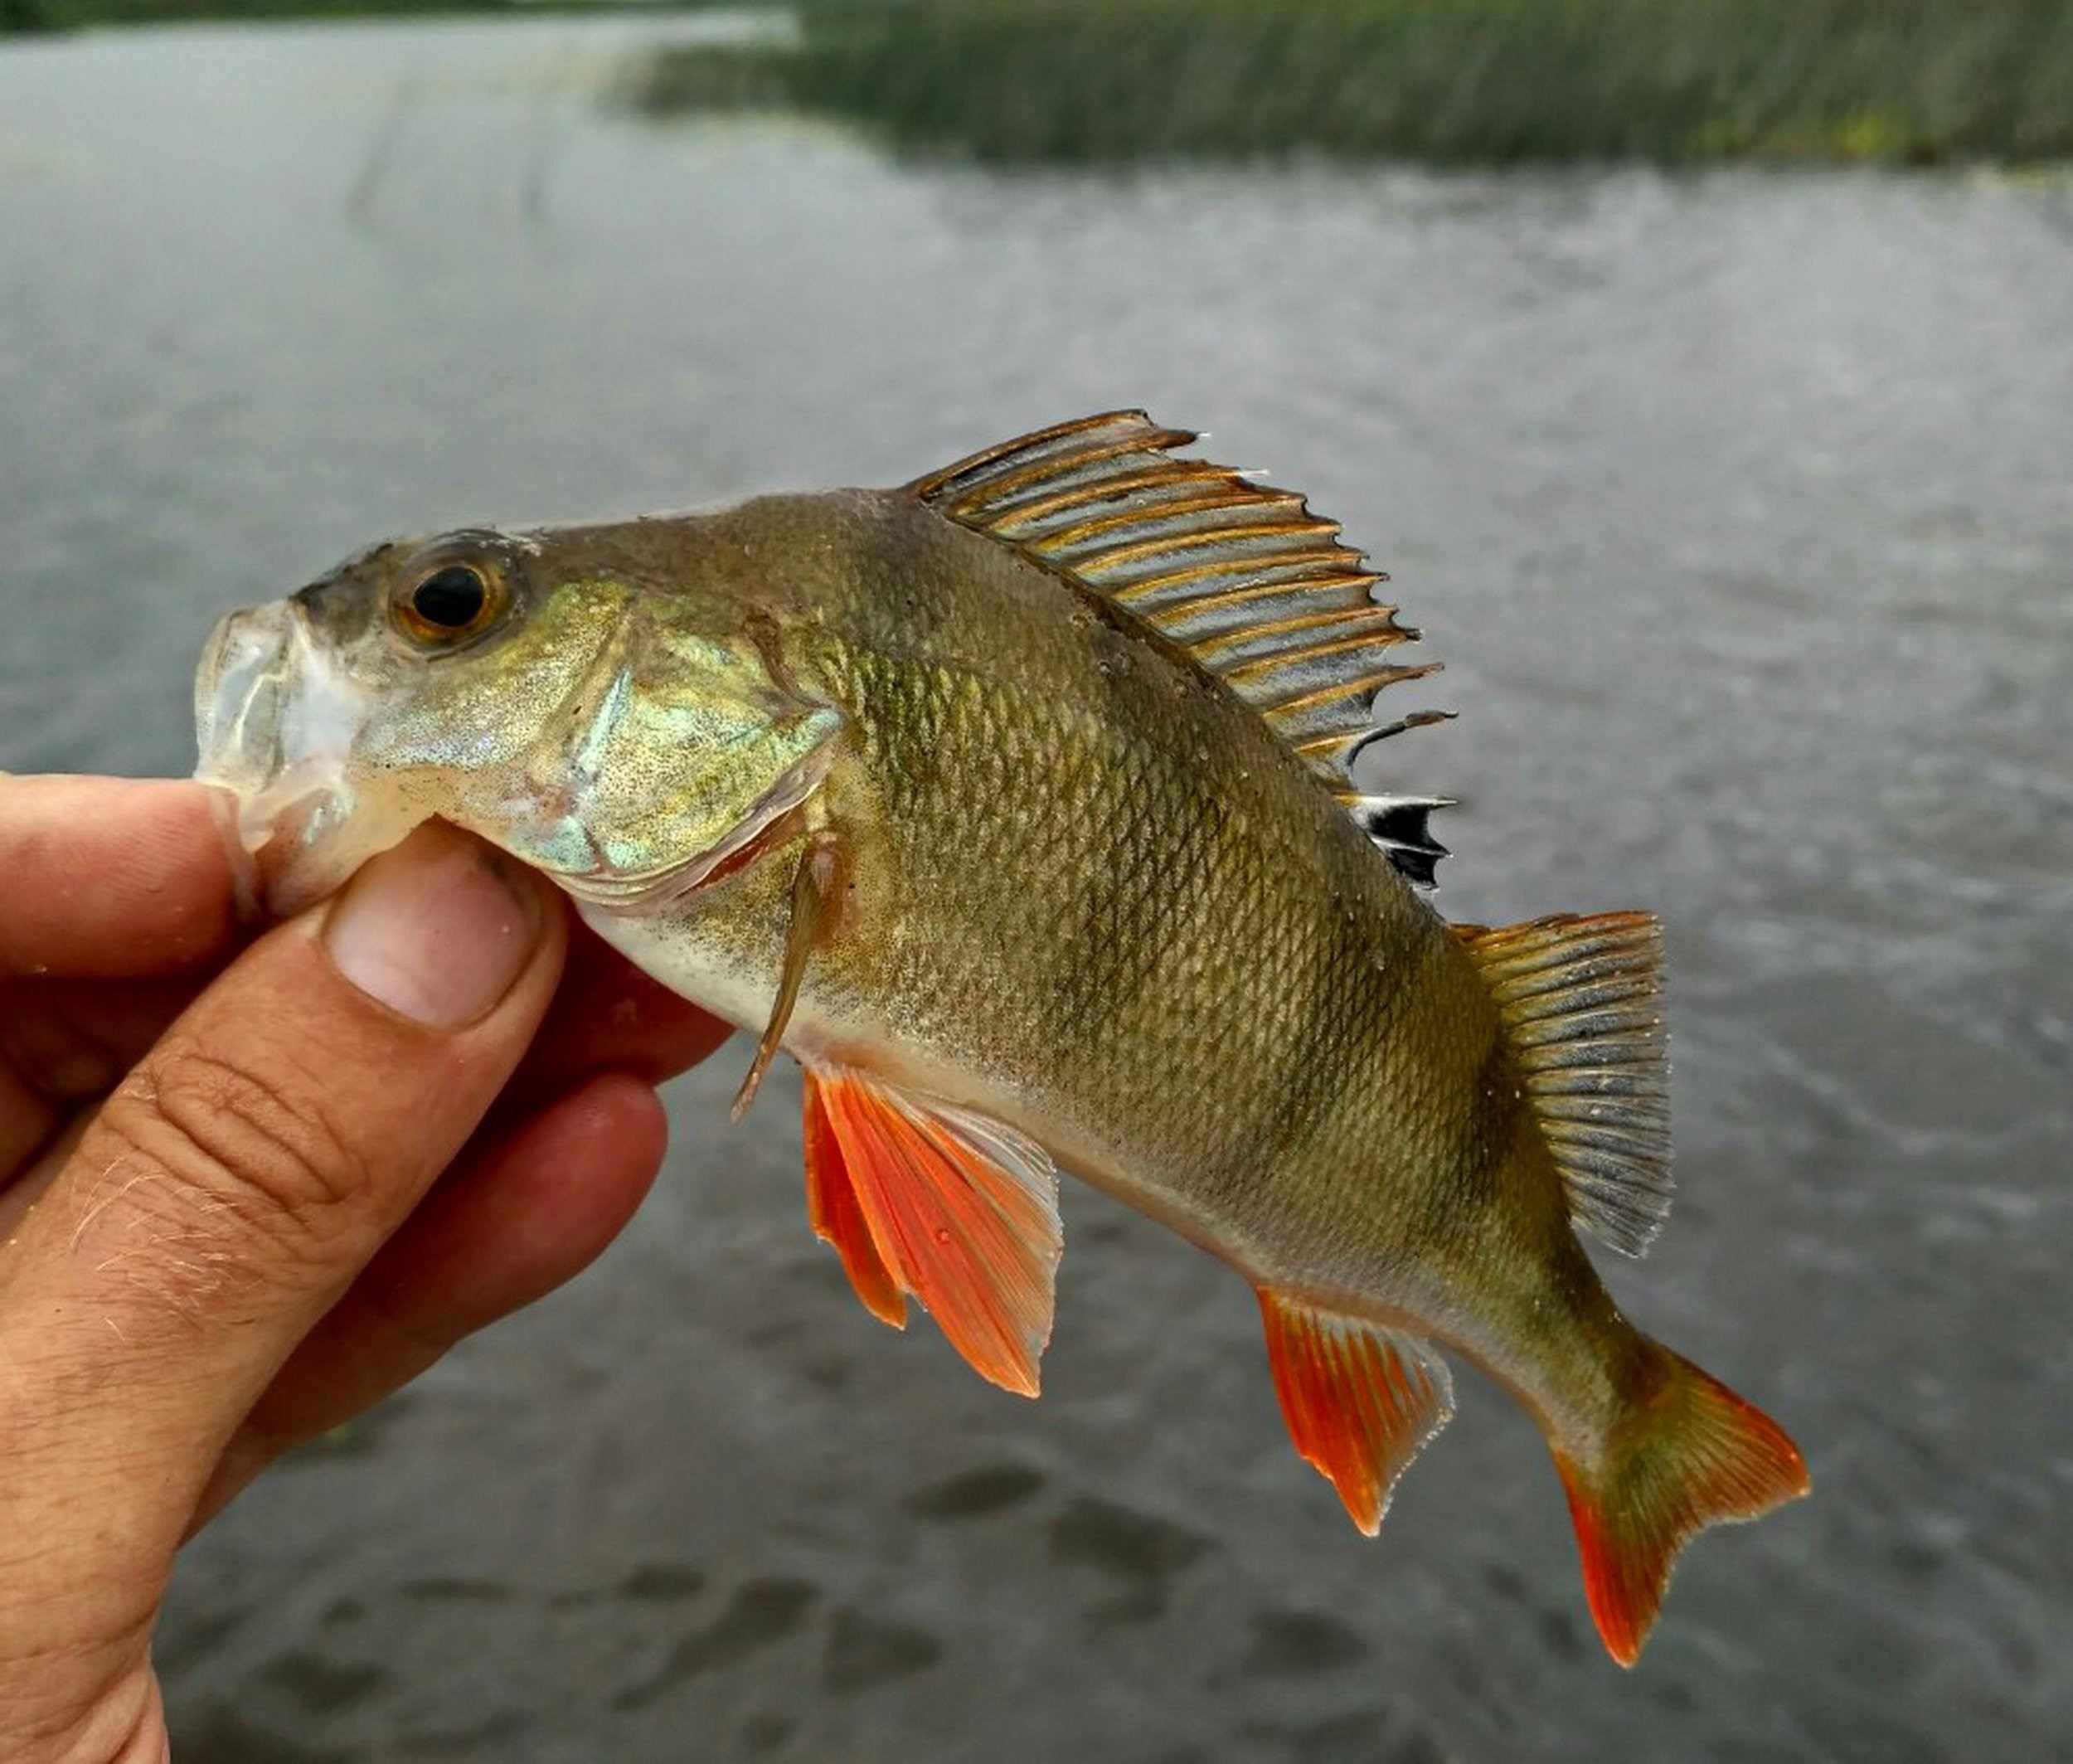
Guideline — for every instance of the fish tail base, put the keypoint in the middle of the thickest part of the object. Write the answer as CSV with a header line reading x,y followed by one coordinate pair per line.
x,y
1691,1455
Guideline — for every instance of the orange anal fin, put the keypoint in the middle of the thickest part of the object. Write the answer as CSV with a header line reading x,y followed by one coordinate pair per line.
x,y
1360,1399
1697,1455
959,1211
833,1210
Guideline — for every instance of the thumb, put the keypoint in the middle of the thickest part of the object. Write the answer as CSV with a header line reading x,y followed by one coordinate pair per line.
x,y
230,1190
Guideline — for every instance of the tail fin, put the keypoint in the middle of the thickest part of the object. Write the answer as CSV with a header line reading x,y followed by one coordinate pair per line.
x,y
1693,1454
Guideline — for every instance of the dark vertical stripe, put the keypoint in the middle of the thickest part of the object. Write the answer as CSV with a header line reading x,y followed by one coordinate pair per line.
x,y
1106,967
1311,1075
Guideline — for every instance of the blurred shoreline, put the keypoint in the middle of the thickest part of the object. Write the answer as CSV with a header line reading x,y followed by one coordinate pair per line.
x,y
47,16
1473,82
1465,82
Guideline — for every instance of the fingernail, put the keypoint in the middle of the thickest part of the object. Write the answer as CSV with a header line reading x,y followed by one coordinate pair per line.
x,y
433,930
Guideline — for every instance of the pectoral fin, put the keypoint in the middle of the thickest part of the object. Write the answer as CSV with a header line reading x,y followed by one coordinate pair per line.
x,y
1360,1399
814,886
923,1197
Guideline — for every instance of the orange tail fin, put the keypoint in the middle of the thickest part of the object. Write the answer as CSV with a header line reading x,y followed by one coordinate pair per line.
x,y
1694,1455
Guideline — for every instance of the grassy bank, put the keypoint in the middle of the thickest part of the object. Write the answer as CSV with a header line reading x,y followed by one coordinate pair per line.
x,y
23,15
1490,81
62,14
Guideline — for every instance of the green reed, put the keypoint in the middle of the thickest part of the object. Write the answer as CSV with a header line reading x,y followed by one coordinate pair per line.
x,y
1490,81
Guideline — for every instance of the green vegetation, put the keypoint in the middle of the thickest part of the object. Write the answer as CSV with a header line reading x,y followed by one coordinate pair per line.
x,y
65,14
1488,81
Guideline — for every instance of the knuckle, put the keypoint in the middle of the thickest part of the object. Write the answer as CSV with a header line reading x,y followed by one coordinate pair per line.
x,y
266,1152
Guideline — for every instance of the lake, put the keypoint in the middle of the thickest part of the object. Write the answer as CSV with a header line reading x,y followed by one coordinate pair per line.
x,y
1740,507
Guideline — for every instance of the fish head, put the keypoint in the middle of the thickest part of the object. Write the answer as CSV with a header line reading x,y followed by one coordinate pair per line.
x,y
622,734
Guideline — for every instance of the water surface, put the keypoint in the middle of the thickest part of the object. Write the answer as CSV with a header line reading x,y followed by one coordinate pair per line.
x,y
1740,508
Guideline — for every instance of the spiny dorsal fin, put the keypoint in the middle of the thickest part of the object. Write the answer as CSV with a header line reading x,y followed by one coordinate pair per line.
x,y
1257,589
1581,1001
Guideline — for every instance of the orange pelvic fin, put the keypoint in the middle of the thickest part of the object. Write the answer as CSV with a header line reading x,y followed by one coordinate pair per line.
x,y
923,1198
1694,1455
1360,1399
833,1210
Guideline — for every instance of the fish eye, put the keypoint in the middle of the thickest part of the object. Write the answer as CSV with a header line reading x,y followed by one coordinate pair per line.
x,y
451,599
448,603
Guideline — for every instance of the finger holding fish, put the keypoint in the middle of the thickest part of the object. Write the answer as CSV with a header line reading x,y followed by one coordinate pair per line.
x,y
111,879
90,977
287,1205
521,1213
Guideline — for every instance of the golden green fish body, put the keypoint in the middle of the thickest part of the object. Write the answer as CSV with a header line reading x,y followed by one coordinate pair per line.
x,y
1090,892
1018,804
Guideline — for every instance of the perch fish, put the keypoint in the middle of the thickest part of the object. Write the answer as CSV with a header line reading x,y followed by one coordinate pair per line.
x,y
1018,805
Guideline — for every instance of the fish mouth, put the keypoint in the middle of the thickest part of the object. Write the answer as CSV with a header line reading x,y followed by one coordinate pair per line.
x,y
276,719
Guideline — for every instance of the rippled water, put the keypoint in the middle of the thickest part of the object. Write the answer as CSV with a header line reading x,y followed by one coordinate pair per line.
x,y
1740,507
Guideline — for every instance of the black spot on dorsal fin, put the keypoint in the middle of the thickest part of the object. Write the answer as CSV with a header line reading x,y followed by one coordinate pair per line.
x,y
1399,825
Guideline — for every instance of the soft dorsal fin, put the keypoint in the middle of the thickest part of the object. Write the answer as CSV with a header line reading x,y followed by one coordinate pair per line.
x,y
1581,1002
1257,589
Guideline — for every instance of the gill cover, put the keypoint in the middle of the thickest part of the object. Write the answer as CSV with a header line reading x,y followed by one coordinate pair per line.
x,y
673,752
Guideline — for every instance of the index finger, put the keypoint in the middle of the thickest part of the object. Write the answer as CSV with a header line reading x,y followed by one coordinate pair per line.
x,y
106,879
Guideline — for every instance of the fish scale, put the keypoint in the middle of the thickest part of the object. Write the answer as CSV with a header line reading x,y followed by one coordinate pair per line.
x,y
1018,805
1165,895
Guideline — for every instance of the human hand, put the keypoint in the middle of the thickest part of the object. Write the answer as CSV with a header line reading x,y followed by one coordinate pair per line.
x,y
248,1188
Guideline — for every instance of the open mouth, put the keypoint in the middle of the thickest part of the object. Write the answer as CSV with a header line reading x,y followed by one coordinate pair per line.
x,y
276,720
